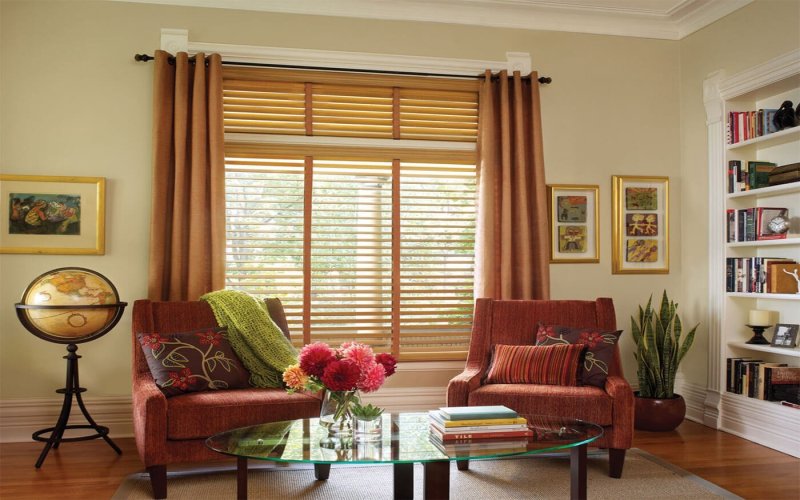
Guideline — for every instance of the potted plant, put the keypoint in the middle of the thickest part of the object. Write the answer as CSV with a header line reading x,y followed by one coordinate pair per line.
x,y
659,351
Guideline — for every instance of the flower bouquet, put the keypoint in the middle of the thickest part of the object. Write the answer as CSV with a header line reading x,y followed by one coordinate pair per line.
x,y
341,373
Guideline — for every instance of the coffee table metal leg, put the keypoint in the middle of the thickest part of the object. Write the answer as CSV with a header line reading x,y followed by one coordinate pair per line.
x,y
437,480
577,465
322,471
241,478
404,481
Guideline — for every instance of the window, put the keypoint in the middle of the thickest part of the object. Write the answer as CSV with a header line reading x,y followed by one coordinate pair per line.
x,y
362,237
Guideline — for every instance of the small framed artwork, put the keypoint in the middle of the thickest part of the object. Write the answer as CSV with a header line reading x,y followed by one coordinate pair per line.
x,y
785,335
574,220
52,215
640,210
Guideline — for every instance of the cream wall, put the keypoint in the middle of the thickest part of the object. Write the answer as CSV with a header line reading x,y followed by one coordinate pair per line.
x,y
73,102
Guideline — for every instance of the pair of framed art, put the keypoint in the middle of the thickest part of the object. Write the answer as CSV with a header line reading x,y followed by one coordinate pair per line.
x,y
640,224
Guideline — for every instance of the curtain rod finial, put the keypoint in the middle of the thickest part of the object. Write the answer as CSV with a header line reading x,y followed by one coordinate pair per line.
x,y
143,57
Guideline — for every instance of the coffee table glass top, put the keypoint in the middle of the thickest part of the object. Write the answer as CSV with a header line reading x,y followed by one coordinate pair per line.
x,y
405,438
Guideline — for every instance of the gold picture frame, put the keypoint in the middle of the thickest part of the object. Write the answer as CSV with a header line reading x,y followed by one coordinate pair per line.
x,y
640,224
41,214
574,222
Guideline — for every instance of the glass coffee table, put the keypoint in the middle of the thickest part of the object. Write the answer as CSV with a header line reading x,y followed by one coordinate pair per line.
x,y
405,439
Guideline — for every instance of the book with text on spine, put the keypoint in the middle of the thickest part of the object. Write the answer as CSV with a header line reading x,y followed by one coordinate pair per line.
x,y
458,436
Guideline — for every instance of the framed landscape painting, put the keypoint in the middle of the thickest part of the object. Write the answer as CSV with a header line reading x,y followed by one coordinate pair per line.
x,y
640,211
52,215
574,220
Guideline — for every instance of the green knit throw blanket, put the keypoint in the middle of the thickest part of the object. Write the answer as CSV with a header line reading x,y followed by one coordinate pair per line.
x,y
255,338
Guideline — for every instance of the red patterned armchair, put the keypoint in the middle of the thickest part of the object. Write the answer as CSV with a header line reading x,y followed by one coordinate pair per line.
x,y
515,322
174,430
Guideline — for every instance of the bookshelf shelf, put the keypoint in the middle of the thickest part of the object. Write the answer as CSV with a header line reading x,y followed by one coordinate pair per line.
x,y
766,348
762,87
792,187
794,240
785,135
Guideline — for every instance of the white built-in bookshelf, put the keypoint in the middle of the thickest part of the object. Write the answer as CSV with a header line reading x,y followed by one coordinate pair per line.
x,y
762,87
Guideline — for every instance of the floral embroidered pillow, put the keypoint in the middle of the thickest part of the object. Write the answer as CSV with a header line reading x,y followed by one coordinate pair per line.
x,y
599,352
193,361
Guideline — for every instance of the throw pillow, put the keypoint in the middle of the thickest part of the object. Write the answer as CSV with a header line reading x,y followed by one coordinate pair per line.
x,y
193,361
599,353
528,364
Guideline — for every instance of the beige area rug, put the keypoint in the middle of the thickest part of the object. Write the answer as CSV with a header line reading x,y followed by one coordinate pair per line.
x,y
644,476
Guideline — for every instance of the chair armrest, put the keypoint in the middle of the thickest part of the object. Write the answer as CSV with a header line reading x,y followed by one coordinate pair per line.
x,y
149,420
622,414
461,385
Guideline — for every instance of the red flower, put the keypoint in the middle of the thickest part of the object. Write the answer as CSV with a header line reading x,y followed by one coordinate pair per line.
x,y
543,333
315,357
388,361
182,380
210,337
152,340
341,375
590,338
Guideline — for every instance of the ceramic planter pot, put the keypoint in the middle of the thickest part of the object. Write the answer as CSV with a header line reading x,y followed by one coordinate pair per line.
x,y
653,414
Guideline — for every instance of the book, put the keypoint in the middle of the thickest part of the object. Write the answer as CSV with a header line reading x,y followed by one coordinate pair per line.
x,y
470,447
763,216
477,428
760,383
789,167
476,412
784,178
758,173
796,406
456,436
436,418
782,384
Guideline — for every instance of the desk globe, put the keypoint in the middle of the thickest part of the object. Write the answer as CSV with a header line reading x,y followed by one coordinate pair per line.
x,y
70,305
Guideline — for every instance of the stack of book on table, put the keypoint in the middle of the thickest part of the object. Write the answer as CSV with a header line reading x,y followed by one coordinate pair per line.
x,y
460,428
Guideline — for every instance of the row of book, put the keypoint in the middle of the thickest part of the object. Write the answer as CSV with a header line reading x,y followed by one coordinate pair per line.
x,y
757,274
744,125
487,427
748,175
756,378
752,224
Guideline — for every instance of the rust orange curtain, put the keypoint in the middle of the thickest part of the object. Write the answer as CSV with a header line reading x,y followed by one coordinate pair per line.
x,y
512,240
187,231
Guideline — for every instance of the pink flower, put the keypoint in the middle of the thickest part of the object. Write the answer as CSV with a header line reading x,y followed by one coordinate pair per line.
x,y
152,340
314,358
388,362
359,354
341,375
372,378
295,378
543,333
590,338
182,380
210,337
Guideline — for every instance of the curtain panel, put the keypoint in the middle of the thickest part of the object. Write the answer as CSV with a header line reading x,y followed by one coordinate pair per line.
x,y
512,238
187,231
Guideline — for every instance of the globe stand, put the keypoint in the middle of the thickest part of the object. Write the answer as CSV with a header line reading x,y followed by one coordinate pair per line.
x,y
57,433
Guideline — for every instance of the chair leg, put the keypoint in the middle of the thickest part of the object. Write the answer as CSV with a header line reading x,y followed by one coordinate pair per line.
x,y
616,459
158,480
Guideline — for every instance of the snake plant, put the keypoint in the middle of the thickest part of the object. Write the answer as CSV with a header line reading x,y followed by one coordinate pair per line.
x,y
659,349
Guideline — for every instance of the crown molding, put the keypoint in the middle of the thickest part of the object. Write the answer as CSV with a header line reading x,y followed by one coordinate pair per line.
x,y
578,16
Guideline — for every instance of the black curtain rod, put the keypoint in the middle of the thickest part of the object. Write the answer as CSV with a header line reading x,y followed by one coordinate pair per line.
x,y
146,58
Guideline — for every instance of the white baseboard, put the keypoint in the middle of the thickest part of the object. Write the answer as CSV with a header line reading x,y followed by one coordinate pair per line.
x,y
20,418
695,396
763,422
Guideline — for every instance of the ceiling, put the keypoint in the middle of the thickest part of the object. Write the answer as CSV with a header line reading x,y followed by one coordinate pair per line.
x,y
665,19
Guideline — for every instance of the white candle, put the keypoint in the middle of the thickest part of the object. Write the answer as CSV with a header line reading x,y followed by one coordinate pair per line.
x,y
759,318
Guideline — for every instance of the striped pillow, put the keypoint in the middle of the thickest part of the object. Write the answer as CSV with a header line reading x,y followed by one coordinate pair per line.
x,y
527,364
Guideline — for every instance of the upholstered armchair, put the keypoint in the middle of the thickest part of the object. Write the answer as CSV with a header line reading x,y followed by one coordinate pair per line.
x,y
515,322
173,430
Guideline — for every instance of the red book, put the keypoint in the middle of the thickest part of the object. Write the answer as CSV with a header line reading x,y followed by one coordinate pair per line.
x,y
460,436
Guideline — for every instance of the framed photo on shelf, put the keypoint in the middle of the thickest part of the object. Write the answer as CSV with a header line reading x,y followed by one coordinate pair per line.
x,y
574,219
785,335
52,214
640,225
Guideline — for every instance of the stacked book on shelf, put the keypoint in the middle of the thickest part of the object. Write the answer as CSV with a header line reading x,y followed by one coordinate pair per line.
x,y
748,175
752,224
759,274
459,428
784,174
758,379
744,125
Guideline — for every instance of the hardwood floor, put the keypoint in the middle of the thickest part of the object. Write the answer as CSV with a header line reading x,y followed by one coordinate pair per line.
x,y
92,470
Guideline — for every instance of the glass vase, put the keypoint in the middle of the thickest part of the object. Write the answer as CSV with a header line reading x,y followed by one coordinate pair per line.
x,y
369,429
336,414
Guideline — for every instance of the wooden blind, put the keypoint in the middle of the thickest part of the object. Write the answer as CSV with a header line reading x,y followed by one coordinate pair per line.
x,y
372,109
377,251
